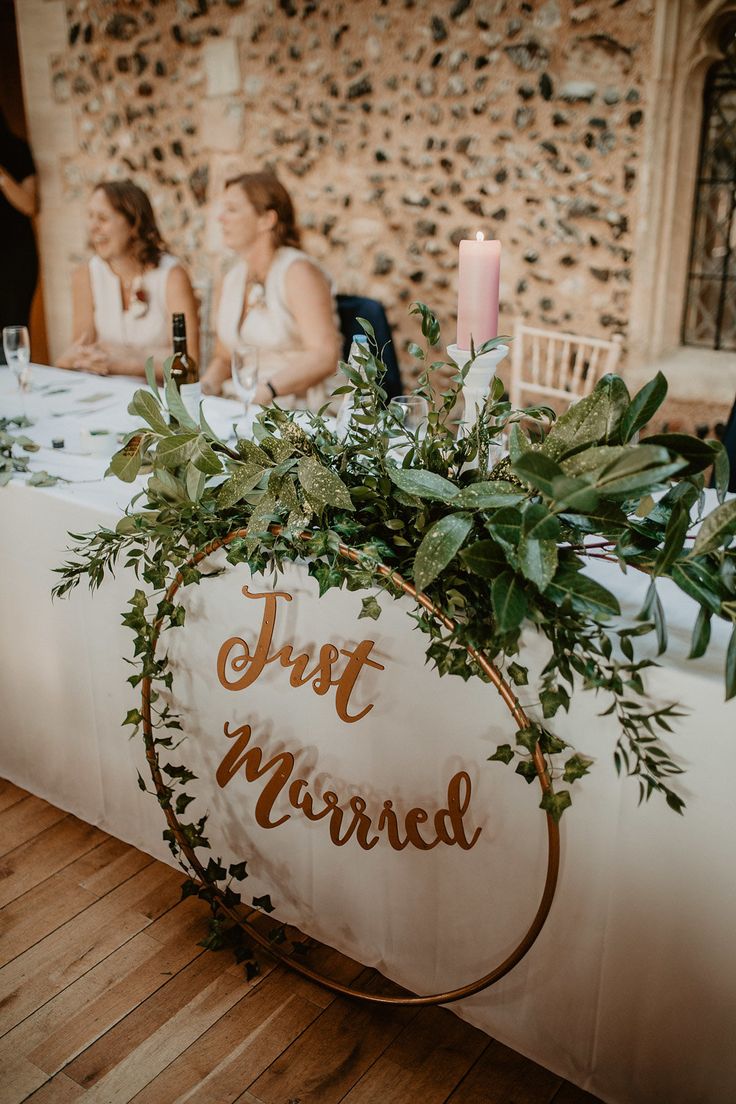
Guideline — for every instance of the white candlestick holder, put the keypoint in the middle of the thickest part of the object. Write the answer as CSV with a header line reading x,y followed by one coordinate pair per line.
x,y
478,380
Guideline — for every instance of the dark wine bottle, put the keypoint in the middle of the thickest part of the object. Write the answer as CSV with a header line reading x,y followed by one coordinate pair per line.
x,y
184,369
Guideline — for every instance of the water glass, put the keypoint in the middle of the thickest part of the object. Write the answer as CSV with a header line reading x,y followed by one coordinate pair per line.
x,y
17,348
411,411
244,366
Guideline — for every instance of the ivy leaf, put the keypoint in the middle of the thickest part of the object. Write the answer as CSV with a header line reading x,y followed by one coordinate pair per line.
x,y
182,801
322,486
509,601
263,903
555,804
485,558
554,699
439,545
423,484
238,871
504,753
575,767
215,871
519,675
370,608
718,525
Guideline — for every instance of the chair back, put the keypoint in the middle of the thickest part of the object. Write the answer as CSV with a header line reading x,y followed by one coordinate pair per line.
x,y
729,440
548,365
352,307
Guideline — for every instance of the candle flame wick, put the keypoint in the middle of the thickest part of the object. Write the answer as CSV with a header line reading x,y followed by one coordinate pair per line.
x,y
479,236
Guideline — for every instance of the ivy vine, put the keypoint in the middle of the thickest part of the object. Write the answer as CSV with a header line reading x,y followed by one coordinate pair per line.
x,y
499,547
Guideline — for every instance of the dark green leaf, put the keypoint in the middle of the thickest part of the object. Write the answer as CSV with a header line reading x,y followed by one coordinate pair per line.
x,y
485,496
538,560
731,666
644,406
538,523
504,753
555,804
584,594
718,525
485,558
439,545
322,486
538,470
423,484
701,634
509,601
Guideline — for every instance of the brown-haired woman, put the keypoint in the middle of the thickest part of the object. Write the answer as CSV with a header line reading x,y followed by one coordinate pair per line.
x,y
276,298
124,297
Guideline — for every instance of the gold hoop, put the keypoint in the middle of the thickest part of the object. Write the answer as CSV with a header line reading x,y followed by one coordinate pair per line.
x,y
518,715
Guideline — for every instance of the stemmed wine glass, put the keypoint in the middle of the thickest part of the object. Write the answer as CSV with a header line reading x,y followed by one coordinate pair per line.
x,y
244,367
410,411
17,348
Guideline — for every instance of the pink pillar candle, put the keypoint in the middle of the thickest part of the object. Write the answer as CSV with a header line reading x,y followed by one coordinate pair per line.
x,y
477,292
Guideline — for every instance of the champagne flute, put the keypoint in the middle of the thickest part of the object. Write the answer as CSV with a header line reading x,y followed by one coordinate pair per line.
x,y
17,348
244,366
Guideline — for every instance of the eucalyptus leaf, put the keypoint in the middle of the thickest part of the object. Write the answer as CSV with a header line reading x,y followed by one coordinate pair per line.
x,y
146,406
204,458
173,451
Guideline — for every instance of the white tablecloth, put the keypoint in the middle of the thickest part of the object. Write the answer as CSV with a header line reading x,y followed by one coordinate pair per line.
x,y
630,991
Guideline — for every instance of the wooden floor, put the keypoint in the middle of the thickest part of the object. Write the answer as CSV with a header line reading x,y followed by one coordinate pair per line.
x,y
105,997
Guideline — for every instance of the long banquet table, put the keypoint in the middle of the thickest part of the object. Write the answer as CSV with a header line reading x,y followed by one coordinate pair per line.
x,y
629,991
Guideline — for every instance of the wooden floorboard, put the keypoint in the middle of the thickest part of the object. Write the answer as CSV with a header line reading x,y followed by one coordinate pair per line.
x,y
107,998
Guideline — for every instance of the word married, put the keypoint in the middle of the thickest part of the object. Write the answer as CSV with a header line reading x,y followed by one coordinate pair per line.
x,y
447,824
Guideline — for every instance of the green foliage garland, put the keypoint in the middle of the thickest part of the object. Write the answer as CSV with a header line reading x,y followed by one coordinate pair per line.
x,y
497,546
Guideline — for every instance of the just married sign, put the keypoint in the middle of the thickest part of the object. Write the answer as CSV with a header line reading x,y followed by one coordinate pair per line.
x,y
353,780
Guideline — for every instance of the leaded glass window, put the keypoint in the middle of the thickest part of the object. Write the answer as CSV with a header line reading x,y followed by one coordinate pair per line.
x,y
710,314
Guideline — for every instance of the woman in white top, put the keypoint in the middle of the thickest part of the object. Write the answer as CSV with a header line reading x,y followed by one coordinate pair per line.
x,y
123,299
276,298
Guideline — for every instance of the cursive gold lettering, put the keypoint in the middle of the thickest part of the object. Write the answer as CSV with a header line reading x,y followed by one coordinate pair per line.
x,y
448,822
235,657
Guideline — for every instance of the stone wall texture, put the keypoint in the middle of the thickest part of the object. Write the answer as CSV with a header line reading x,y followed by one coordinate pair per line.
x,y
399,126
